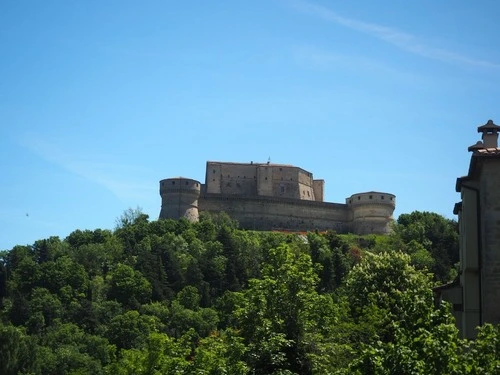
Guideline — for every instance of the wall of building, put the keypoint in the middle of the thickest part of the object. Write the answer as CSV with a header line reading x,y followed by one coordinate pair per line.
x,y
279,214
319,188
490,234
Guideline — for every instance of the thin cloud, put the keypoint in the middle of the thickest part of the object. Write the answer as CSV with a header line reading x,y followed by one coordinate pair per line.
x,y
104,174
404,41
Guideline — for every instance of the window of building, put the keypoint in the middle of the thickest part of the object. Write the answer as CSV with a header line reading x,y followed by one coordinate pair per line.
x,y
308,194
282,188
214,170
173,182
187,182
382,197
371,197
359,198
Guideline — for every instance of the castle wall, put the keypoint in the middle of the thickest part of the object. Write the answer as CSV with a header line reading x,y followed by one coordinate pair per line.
x,y
279,213
273,196
318,188
265,180
179,198
371,212
213,181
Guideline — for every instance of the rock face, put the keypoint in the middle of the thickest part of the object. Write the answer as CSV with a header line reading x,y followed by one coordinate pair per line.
x,y
265,196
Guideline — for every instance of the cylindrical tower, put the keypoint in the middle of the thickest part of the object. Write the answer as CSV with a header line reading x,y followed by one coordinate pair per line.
x,y
179,198
371,212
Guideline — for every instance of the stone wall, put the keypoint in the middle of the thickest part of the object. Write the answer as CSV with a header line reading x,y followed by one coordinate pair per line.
x,y
264,213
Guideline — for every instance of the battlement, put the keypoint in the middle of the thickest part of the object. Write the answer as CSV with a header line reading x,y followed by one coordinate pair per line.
x,y
180,183
265,196
371,197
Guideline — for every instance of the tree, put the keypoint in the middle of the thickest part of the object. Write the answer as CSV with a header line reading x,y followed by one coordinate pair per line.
x,y
128,286
437,235
283,319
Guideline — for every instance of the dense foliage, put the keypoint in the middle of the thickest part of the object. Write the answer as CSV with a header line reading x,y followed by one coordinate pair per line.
x,y
171,297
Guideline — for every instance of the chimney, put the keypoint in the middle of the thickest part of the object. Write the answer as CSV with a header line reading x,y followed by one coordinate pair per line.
x,y
490,134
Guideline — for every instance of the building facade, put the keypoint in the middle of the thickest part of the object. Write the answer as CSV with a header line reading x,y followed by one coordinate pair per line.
x,y
475,294
266,196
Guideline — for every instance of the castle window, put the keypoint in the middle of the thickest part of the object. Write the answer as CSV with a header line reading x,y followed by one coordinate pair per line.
x,y
281,169
371,197
282,188
350,200
391,198
359,198
291,179
308,194
382,197
213,179
266,178
187,182
214,170
162,183
173,182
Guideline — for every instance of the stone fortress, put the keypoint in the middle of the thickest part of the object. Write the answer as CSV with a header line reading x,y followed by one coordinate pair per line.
x,y
267,196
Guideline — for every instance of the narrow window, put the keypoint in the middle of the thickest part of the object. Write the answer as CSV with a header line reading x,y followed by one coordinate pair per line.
x,y
187,183
359,198
382,197
173,182
371,197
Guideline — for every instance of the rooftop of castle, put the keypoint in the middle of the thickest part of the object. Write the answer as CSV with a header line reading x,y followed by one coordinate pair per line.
x,y
252,163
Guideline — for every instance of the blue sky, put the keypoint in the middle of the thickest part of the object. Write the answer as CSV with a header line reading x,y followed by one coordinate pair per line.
x,y
99,100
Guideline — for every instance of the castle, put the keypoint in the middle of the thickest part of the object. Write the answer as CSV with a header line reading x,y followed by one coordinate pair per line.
x,y
267,196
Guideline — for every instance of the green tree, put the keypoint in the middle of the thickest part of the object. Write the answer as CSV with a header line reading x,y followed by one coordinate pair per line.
x,y
128,286
437,235
283,319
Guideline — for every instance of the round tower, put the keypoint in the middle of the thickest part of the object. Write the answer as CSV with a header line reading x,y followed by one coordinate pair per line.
x,y
179,198
371,212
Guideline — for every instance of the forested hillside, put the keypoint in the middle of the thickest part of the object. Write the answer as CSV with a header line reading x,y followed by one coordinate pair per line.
x,y
171,297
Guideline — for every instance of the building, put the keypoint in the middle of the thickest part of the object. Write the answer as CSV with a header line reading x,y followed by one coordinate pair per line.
x,y
266,196
475,294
